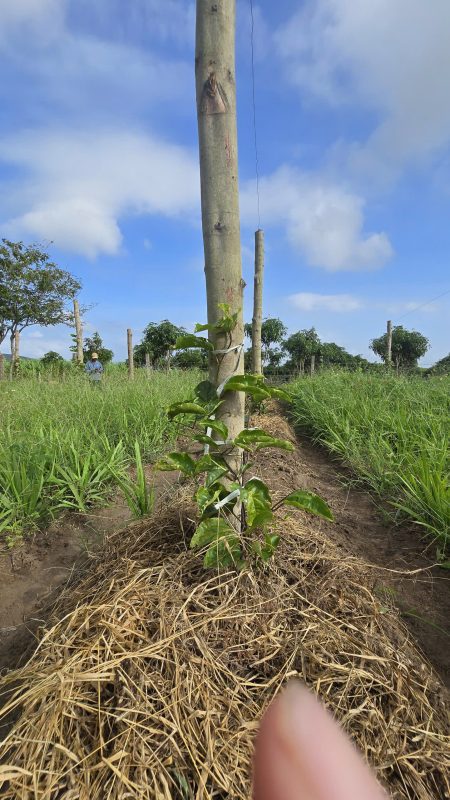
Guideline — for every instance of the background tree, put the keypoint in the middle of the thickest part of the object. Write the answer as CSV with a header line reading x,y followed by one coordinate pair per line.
x,y
272,332
33,290
190,359
94,344
441,367
407,347
52,357
158,340
301,346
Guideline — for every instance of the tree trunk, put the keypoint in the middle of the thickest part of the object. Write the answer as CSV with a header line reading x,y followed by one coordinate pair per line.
x,y
302,366
389,344
78,331
130,354
257,303
313,364
216,116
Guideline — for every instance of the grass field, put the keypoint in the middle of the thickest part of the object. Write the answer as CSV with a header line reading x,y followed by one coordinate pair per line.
x,y
392,432
62,443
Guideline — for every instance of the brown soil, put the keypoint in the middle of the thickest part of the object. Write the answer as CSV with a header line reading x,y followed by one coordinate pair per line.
x,y
407,575
33,574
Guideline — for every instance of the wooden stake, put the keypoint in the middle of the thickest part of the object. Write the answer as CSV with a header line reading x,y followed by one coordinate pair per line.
x,y
313,364
78,331
130,354
257,303
216,116
389,344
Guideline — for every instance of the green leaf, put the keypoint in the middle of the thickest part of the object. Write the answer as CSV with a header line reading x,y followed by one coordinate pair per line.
x,y
199,327
211,530
181,462
256,437
215,469
185,408
225,552
271,543
275,391
216,425
204,439
206,392
257,501
189,340
250,384
207,496
309,502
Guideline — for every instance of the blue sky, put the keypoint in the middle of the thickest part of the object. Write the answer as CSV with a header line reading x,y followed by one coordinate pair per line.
x,y
98,154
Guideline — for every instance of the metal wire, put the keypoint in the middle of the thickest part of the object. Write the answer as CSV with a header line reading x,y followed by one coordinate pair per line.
x,y
422,305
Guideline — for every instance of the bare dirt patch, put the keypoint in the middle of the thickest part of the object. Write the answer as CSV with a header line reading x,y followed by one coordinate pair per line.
x,y
33,574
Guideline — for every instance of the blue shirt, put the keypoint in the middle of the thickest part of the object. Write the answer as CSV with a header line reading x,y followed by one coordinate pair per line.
x,y
94,369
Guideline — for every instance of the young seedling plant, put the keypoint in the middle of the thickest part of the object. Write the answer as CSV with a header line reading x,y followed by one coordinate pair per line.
x,y
237,522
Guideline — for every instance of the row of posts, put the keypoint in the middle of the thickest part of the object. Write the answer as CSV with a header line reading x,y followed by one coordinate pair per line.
x,y
256,328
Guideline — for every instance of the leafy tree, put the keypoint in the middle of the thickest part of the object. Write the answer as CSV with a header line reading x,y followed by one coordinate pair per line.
x,y
94,344
301,346
52,357
33,290
158,341
272,332
333,355
190,359
407,347
441,367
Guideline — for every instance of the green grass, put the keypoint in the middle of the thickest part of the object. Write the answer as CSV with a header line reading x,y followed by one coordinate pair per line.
x,y
392,432
64,444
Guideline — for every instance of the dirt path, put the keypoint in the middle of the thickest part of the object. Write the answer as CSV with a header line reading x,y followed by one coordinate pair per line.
x,y
423,597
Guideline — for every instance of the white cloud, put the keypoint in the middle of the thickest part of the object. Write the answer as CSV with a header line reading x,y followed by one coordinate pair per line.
x,y
308,301
390,57
77,186
323,221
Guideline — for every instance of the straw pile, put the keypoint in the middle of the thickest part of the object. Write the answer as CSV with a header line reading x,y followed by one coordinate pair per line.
x,y
152,682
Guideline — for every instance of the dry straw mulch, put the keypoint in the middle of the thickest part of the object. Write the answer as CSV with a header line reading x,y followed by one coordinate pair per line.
x,y
152,682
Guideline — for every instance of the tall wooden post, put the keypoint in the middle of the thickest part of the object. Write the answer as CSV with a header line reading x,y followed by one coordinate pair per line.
x,y
257,303
217,132
130,354
78,331
389,344
313,364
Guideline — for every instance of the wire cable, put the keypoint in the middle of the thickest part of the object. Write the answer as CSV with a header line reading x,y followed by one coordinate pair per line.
x,y
422,305
254,113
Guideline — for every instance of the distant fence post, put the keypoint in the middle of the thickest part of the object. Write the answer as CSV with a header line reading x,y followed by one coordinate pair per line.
x,y
389,343
78,331
313,364
130,354
148,365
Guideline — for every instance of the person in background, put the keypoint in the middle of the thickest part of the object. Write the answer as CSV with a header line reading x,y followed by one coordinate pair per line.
x,y
94,368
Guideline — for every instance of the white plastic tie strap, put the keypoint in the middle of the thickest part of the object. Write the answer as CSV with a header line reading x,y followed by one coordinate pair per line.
x,y
227,499
228,350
